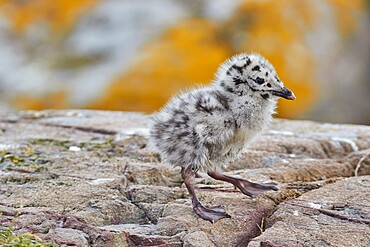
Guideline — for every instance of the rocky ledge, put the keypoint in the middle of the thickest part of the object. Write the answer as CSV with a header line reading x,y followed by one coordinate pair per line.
x,y
85,178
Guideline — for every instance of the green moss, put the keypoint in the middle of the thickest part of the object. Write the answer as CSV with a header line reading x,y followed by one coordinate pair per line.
x,y
65,144
10,238
15,159
27,160
108,143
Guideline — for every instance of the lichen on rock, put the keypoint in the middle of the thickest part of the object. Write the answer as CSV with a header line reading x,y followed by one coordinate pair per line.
x,y
114,192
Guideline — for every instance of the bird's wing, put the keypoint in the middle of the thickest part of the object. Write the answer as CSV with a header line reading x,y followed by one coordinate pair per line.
x,y
214,122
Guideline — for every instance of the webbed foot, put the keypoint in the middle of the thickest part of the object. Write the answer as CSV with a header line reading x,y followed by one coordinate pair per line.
x,y
211,214
253,189
246,187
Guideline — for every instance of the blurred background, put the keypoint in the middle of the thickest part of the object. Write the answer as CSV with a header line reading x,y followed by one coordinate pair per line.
x,y
133,55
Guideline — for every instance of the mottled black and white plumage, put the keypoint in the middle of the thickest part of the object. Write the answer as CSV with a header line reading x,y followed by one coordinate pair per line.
x,y
208,127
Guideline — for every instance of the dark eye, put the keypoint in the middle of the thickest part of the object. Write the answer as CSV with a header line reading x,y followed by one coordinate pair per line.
x,y
268,84
259,80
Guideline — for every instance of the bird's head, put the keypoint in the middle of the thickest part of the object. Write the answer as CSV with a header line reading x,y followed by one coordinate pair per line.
x,y
251,74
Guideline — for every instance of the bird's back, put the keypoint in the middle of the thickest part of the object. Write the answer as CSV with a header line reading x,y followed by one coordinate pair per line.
x,y
199,129
193,128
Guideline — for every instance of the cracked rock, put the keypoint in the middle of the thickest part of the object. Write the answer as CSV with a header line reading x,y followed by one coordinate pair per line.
x,y
114,192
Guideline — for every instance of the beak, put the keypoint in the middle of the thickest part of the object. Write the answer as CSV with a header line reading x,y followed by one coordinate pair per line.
x,y
285,93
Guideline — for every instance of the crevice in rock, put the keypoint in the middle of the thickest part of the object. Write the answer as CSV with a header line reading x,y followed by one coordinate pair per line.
x,y
268,243
289,193
62,221
160,241
83,129
148,220
259,217
325,149
9,121
331,213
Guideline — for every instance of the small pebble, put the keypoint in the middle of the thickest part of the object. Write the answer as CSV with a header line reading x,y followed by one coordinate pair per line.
x,y
74,149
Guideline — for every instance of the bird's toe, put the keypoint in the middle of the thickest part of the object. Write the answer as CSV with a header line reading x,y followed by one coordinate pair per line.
x,y
211,214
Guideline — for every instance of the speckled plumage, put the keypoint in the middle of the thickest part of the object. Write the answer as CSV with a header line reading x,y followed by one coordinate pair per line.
x,y
210,126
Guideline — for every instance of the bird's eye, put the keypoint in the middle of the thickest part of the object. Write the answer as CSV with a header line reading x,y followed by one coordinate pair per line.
x,y
259,80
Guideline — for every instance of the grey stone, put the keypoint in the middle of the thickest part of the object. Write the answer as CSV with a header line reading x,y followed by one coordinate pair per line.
x,y
68,237
197,238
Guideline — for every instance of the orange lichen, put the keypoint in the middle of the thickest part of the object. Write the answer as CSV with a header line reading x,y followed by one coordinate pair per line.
x,y
187,54
55,100
190,52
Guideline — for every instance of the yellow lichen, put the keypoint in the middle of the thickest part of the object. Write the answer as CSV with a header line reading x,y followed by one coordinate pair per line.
x,y
59,14
187,54
190,52
55,100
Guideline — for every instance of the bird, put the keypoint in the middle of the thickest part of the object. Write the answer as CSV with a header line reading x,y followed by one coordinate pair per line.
x,y
206,128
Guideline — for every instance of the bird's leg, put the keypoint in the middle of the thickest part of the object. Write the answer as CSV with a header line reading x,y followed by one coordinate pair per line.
x,y
246,187
212,214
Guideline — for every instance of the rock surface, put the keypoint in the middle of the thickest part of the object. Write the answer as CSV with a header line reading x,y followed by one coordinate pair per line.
x,y
85,178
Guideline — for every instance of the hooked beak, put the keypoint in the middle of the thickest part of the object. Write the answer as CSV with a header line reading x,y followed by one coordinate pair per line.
x,y
285,93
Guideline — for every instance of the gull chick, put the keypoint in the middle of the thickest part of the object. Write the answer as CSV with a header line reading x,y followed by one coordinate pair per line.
x,y
206,128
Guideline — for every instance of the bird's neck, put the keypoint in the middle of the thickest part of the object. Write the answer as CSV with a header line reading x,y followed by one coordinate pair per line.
x,y
253,111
